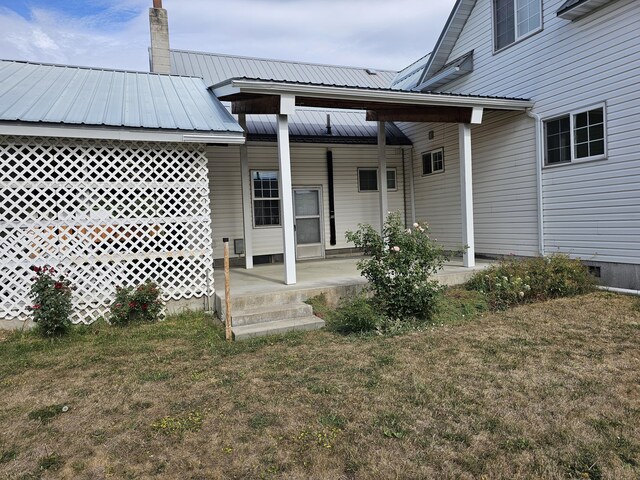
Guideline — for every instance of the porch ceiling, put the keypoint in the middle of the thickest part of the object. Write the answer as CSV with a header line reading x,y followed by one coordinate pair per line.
x,y
252,96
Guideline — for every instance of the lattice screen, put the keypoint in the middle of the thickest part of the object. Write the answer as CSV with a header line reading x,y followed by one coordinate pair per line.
x,y
106,213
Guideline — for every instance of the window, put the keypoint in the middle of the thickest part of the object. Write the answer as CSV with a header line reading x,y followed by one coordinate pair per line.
x,y
368,179
515,19
433,162
576,136
266,199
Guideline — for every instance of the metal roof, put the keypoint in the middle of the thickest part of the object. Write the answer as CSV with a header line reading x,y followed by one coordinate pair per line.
x,y
573,9
60,94
310,125
407,78
215,68
448,38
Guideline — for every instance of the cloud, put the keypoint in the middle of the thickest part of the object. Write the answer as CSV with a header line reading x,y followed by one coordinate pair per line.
x,y
375,33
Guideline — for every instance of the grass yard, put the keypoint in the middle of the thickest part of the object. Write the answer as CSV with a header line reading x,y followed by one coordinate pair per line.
x,y
549,390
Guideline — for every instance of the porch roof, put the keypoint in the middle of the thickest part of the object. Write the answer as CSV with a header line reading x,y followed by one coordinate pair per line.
x,y
257,96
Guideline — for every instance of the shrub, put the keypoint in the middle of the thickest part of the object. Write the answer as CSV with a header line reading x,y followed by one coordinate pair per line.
x,y
400,267
51,295
140,304
356,315
514,281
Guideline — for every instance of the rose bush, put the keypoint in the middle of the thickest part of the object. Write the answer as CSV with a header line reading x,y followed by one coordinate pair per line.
x,y
140,304
51,295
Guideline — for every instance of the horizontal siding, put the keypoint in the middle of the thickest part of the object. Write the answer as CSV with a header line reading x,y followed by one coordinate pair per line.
x,y
504,184
592,209
309,168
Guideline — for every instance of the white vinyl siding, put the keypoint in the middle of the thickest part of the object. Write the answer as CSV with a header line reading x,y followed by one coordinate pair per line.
x,y
590,208
504,188
309,168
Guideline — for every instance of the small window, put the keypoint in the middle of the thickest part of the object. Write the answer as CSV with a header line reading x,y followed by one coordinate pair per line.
x,y
515,19
368,179
576,136
266,199
433,162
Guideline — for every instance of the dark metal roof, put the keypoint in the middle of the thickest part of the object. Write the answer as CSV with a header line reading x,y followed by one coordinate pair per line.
x,y
309,125
62,94
572,9
215,68
380,89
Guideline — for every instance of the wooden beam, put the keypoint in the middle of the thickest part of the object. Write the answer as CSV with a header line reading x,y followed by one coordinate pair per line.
x,y
421,114
262,105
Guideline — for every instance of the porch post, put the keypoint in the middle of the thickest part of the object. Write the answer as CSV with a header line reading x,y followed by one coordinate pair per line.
x,y
466,190
245,176
382,173
286,195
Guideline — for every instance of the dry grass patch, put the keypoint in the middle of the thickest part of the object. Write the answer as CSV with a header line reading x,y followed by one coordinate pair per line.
x,y
542,391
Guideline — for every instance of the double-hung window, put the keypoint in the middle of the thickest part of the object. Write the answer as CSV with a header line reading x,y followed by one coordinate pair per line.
x,y
433,162
515,19
266,198
577,136
368,179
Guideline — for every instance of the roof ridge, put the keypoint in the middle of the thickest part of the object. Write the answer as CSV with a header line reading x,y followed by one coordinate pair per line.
x,y
85,67
227,55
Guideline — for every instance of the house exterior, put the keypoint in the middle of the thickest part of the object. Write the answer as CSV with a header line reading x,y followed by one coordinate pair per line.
x,y
564,176
515,135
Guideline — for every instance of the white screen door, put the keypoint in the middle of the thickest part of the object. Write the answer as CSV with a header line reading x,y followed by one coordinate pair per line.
x,y
307,203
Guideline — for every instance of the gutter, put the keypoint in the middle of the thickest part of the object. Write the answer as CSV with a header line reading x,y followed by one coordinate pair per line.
x,y
539,163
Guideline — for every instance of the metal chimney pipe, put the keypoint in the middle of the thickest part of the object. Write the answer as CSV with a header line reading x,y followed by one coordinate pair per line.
x,y
157,3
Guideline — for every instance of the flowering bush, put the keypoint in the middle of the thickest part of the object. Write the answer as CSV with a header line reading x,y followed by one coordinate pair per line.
x,y
139,304
513,281
400,268
51,297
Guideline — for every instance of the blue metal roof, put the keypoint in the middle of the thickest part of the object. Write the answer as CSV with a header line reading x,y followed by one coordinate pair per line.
x,y
60,94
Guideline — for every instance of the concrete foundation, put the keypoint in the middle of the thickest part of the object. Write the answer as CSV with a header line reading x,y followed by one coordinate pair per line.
x,y
619,275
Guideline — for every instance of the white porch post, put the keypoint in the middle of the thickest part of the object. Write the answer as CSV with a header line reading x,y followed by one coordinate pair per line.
x,y
466,190
382,173
245,176
287,106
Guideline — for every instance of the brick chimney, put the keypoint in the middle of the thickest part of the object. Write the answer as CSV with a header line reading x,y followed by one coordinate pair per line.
x,y
159,52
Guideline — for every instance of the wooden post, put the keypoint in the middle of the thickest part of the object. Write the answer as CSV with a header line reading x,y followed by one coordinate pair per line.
x,y
227,291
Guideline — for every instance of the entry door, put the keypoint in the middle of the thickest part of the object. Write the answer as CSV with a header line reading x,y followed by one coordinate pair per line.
x,y
307,207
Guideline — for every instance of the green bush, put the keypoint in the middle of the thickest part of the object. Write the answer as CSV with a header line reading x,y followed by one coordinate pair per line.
x,y
140,304
355,315
400,268
51,309
514,281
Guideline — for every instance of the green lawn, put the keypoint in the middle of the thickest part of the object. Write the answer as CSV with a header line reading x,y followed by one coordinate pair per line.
x,y
548,390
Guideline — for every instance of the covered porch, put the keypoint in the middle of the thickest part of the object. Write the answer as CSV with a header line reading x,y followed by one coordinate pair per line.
x,y
279,98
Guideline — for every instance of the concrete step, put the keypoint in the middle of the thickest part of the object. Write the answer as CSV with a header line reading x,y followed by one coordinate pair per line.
x,y
269,313
276,327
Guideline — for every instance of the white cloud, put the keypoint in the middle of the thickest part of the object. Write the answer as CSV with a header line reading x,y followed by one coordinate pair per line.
x,y
376,33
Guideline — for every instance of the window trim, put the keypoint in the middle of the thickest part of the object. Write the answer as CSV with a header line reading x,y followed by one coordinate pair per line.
x,y
517,39
433,172
253,199
377,185
572,114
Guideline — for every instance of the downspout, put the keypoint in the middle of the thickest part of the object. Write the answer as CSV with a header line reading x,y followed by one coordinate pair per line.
x,y
539,163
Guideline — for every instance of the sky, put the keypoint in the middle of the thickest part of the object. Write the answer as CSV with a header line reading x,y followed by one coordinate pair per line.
x,y
383,34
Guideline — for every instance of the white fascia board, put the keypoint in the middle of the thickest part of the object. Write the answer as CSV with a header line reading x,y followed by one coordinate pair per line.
x,y
381,96
63,131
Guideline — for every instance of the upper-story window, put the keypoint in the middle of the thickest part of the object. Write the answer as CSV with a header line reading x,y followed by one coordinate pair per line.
x,y
515,19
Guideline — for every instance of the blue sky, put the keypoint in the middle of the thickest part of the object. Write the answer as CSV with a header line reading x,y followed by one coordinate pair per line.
x,y
115,33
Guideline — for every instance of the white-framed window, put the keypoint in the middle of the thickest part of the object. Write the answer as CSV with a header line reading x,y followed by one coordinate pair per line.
x,y
368,179
514,20
266,198
433,161
576,136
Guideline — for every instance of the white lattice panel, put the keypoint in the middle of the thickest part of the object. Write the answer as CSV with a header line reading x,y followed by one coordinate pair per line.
x,y
106,214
